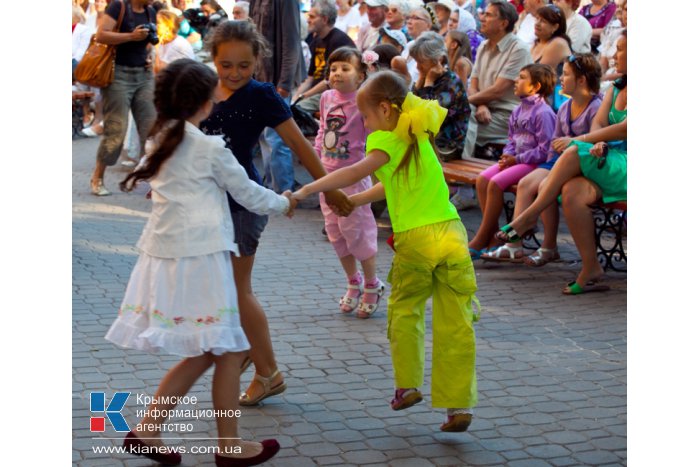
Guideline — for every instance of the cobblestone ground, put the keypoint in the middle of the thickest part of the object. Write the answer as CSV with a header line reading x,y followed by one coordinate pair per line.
x,y
552,369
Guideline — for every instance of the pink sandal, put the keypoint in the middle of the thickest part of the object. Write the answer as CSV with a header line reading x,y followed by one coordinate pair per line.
x,y
405,398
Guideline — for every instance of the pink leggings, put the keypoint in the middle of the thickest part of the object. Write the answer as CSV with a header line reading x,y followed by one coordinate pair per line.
x,y
507,177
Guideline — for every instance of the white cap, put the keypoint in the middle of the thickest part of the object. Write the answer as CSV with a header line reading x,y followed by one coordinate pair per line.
x,y
377,2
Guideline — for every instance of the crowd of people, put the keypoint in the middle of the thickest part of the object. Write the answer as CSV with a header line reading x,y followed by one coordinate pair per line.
x,y
398,87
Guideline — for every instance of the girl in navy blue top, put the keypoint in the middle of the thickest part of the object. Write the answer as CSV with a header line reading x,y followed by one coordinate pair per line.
x,y
243,108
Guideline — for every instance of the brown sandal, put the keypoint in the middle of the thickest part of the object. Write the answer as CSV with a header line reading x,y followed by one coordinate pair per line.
x,y
268,390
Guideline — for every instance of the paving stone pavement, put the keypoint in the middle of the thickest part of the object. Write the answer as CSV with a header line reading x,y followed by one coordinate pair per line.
x,y
552,369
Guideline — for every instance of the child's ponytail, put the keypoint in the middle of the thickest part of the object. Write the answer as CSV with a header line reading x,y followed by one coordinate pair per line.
x,y
182,88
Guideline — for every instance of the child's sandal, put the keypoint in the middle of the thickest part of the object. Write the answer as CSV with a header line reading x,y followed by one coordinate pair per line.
x,y
366,309
405,398
457,423
348,303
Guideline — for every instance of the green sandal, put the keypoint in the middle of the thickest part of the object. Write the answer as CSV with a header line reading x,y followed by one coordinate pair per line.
x,y
573,288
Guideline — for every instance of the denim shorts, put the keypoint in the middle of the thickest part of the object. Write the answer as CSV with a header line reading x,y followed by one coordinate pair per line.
x,y
248,228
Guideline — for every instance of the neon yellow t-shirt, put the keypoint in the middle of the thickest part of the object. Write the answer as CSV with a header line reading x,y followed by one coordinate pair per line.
x,y
420,198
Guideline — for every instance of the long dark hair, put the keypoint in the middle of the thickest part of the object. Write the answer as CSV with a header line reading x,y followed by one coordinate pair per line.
x,y
182,88
553,15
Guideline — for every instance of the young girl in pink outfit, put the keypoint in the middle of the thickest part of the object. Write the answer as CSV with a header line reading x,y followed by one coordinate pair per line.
x,y
340,143
530,130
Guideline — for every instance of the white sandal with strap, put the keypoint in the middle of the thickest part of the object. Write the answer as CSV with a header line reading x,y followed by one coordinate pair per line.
x,y
366,309
348,303
542,256
511,252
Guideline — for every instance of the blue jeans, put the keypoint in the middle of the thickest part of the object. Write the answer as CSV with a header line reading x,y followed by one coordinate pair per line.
x,y
277,161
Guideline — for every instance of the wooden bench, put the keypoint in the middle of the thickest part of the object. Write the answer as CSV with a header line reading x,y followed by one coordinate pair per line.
x,y
467,170
608,218
79,98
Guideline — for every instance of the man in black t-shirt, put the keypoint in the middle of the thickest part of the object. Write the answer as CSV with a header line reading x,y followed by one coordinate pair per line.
x,y
323,39
132,88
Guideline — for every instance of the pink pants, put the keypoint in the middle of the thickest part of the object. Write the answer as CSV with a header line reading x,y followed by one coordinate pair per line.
x,y
510,176
356,234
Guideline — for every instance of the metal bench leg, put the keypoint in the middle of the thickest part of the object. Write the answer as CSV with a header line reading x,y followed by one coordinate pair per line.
x,y
610,221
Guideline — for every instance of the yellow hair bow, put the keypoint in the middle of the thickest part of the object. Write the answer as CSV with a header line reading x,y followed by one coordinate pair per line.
x,y
418,116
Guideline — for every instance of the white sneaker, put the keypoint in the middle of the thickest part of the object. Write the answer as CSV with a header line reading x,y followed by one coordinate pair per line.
x,y
129,163
89,132
461,202
98,188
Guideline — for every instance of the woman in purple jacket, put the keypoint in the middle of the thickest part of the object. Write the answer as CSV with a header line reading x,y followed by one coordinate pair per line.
x,y
530,130
581,80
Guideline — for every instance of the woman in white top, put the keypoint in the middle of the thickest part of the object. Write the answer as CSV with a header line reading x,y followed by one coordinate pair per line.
x,y
417,22
172,46
349,19
578,28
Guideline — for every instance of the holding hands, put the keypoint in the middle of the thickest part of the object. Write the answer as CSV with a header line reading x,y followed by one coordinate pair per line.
x,y
506,161
292,203
336,200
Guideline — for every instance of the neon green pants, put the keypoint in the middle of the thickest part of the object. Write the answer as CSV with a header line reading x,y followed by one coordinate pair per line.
x,y
434,260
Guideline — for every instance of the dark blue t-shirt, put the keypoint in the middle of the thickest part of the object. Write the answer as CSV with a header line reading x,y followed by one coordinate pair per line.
x,y
131,53
242,118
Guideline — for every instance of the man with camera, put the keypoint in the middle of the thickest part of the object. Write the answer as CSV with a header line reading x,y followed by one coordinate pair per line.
x,y
132,88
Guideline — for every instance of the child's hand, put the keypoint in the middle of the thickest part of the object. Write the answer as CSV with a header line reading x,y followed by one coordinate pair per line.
x,y
299,194
339,202
506,161
292,203
560,144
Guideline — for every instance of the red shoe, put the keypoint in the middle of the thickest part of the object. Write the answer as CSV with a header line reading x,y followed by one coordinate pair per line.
x,y
405,398
137,447
270,448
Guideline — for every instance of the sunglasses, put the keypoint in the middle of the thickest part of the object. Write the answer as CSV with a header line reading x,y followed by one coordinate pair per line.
x,y
574,60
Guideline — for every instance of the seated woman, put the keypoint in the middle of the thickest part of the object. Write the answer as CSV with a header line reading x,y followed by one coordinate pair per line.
x,y
608,46
592,168
463,21
552,46
598,13
581,81
459,55
436,81
417,22
530,130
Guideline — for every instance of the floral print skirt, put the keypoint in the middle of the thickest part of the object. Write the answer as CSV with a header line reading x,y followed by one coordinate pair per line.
x,y
182,306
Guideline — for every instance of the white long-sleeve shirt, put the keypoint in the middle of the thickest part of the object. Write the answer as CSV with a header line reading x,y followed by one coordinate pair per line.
x,y
190,214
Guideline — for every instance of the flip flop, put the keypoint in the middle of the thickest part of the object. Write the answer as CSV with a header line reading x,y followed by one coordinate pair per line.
x,y
573,288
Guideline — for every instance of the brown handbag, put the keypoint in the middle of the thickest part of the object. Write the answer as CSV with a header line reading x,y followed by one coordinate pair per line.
x,y
96,68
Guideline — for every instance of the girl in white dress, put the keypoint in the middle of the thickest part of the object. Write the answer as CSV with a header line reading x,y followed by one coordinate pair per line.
x,y
181,297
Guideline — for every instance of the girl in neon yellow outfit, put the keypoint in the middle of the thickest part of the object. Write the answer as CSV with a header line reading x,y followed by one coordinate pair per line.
x,y
431,258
